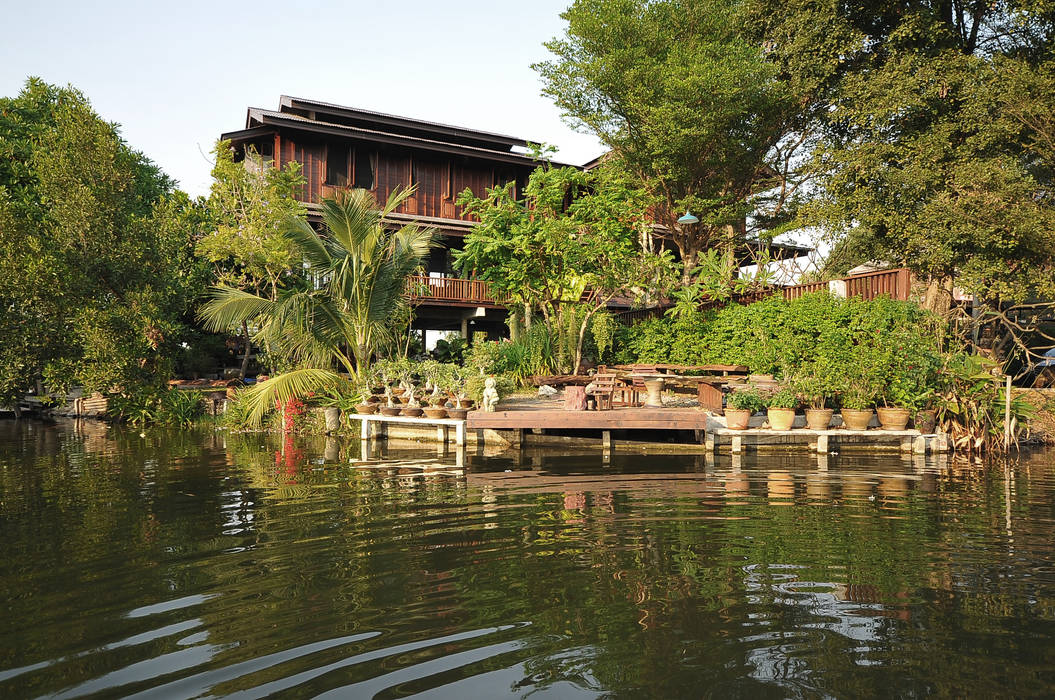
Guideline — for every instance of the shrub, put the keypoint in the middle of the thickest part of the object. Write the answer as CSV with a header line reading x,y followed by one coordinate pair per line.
x,y
745,400
474,386
785,398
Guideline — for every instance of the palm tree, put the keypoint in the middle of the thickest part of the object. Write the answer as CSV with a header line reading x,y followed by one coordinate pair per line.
x,y
359,268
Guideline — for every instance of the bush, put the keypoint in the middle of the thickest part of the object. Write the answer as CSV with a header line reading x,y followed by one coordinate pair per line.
x,y
474,387
156,404
779,337
745,400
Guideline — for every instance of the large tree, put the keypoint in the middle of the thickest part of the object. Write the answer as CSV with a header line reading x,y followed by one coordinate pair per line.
x,y
96,265
250,203
688,105
935,148
567,248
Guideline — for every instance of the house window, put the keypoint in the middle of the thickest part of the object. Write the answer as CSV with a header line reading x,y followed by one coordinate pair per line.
x,y
337,158
364,170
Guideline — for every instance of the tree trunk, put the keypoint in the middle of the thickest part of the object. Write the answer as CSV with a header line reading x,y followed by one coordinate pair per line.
x,y
245,355
527,317
938,297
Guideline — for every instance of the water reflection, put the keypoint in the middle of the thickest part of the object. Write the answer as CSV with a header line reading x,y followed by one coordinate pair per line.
x,y
190,563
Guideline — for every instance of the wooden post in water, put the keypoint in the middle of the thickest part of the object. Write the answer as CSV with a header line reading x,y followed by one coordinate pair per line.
x,y
1007,413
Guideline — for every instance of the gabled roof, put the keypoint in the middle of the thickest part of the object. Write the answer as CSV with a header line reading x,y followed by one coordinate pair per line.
x,y
487,147
394,124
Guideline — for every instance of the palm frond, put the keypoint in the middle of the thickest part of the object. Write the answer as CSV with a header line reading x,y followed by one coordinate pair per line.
x,y
295,384
229,308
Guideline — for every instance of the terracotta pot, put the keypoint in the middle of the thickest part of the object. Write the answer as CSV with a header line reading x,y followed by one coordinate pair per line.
x,y
736,418
854,419
819,418
465,403
412,411
398,391
780,418
367,409
436,412
377,390
373,399
925,421
457,413
393,411
893,418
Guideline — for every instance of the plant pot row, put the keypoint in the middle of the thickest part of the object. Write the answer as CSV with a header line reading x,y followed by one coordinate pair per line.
x,y
820,418
432,412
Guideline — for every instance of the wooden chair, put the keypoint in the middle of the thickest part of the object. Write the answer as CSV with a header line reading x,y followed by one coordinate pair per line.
x,y
602,389
630,395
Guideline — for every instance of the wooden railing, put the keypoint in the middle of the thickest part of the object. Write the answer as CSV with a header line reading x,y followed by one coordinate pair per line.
x,y
423,290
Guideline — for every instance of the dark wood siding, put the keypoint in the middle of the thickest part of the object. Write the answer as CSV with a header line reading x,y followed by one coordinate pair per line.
x,y
312,159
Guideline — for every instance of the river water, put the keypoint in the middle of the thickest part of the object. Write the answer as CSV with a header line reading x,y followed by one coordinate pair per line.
x,y
197,563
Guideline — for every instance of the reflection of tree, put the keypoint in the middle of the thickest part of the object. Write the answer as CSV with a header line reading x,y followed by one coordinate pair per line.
x,y
635,590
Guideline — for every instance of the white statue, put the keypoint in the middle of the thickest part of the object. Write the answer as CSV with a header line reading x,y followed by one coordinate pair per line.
x,y
490,399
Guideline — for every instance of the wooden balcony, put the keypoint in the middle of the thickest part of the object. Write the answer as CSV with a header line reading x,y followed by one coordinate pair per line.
x,y
452,291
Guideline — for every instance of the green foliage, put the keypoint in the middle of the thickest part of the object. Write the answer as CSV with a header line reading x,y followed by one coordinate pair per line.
x,y
575,237
784,398
474,386
450,349
746,400
361,266
96,262
156,404
973,405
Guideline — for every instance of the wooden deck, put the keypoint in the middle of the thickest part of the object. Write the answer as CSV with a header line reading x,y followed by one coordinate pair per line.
x,y
614,419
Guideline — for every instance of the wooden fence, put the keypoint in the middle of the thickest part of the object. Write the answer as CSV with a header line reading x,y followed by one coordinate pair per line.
x,y
894,284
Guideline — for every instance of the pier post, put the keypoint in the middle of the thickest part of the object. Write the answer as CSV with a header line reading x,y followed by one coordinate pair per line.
x,y
709,442
443,434
459,434
822,444
364,429
606,445
737,445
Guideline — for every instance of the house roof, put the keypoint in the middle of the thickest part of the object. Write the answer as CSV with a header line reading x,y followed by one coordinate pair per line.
x,y
257,117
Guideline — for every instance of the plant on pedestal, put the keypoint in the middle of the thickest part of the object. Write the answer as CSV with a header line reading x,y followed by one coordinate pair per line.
x,y
781,409
740,406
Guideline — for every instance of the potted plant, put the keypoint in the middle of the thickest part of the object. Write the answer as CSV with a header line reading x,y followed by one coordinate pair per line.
x,y
816,390
413,406
391,408
740,406
781,409
857,402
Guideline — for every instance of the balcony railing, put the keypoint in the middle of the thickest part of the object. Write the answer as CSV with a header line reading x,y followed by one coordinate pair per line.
x,y
426,290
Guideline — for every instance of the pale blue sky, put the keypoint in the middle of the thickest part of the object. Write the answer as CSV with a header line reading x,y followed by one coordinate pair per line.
x,y
177,74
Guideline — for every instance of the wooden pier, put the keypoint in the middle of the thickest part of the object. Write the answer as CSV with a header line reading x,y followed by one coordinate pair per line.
x,y
512,427
376,426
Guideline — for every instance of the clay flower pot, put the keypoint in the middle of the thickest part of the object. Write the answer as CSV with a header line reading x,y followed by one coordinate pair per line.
x,y
457,413
819,418
780,418
391,410
925,421
465,403
436,412
855,419
737,419
366,408
412,411
893,418
373,399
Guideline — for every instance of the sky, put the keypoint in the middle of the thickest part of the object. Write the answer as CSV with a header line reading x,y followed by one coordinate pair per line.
x,y
176,75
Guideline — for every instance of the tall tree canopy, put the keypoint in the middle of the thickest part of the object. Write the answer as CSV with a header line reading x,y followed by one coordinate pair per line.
x,y
936,150
691,107
96,261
